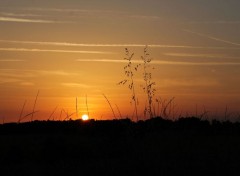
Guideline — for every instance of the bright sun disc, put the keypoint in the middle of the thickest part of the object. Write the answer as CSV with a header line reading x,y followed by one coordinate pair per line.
x,y
84,117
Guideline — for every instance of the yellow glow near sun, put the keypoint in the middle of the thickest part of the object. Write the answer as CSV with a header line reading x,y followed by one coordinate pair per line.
x,y
85,117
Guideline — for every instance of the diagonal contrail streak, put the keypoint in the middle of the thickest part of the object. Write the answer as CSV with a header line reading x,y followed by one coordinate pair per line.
x,y
211,37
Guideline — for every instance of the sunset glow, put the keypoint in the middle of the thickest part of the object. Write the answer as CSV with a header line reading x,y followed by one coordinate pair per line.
x,y
68,49
85,117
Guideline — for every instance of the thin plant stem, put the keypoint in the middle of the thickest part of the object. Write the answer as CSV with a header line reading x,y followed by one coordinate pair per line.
x,y
20,117
77,107
118,111
29,114
147,77
129,74
110,105
87,105
35,102
52,113
134,97
61,114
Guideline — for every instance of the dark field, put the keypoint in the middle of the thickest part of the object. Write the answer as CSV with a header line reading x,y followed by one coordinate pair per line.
x,y
188,146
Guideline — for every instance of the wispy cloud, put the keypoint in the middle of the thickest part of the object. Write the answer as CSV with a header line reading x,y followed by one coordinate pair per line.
x,y
24,20
199,55
98,13
18,73
11,76
54,72
203,82
196,63
113,45
54,51
73,10
4,80
11,60
215,22
212,38
161,62
75,85
145,17
19,14
105,60
27,84
24,77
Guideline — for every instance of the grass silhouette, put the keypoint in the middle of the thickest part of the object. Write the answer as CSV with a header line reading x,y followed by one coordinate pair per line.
x,y
147,77
128,71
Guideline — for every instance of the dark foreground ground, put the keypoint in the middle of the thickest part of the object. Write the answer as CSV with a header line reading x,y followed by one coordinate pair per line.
x,y
120,147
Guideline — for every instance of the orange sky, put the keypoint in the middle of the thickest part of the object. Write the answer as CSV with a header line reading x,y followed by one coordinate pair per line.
x,y
68,49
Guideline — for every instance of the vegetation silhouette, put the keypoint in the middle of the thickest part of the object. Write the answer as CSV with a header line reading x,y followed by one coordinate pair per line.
x,y
187,146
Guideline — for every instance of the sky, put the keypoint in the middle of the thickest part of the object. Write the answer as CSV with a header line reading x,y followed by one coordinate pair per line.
x,y
73,48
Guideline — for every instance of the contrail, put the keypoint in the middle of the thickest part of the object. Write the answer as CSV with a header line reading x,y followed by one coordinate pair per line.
x,y
11,60
55,51
200,55
158,62
213,38
21,20
112,45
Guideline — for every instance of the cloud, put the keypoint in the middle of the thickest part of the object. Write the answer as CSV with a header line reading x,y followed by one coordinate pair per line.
x,y
111,45
54,72
11,60
4,80
75,85
72,10
161,62
199,55
203,82
98,13
19,14
24,77
212,38
215,22
196,63
17,73
146,17
24,20
105,60
27,84
54,51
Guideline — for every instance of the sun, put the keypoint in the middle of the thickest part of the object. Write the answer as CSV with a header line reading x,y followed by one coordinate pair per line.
x,y
85,117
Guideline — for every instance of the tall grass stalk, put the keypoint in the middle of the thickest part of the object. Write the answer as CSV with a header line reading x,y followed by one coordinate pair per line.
x,y
20,116
61,114
149,84
87,105
167,108
31,113
204,114
110,105
77,107
34,105
52,113
128,71
68,115
118,111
